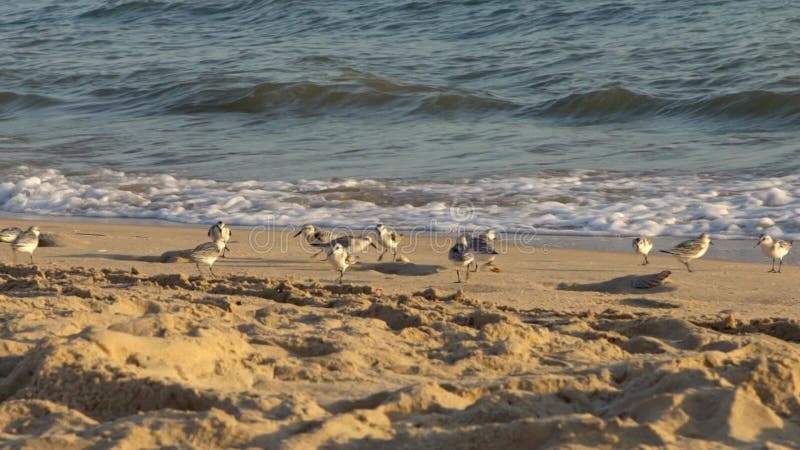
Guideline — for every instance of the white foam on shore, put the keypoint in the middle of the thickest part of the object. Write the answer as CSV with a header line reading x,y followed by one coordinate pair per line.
x,y
574,203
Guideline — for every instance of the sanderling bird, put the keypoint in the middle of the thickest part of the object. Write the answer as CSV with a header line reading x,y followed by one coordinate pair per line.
x,y
775,249
352,244
220,231
340,259
26,243
388,239
207,253
642,246
460,256
9,235
482,248
691,249
314,235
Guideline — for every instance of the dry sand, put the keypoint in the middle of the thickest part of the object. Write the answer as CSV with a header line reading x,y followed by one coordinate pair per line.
x,y
103,346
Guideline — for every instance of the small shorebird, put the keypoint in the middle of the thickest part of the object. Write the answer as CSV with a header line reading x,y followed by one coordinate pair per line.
x,y
8,235
388,239
220,231
26,243
460,256
352,244
775,249
207,253
642,246
340,259
482,247
691,249
314,235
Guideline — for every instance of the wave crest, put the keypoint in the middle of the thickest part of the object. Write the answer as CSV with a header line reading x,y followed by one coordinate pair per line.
x,y
137,7
615,101
13,102
618,104
307,97
752,104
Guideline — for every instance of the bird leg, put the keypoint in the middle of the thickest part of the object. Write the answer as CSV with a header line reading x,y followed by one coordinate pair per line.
x,y
645,262
466,277
210,269
341,275
686,263
380,257
198,269
458,275
773,267
32,259
780,266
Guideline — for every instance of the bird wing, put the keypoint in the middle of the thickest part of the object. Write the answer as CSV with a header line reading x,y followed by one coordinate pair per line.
x,y
26,239
460,252
9,234
689,247
324,235
204,246
344,241
482,245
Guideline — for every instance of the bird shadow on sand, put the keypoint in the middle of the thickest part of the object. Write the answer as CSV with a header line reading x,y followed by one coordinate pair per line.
x,y
399,268
172,256
625,285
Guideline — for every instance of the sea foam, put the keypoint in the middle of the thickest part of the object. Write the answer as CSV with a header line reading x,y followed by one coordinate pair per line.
x,y
570,202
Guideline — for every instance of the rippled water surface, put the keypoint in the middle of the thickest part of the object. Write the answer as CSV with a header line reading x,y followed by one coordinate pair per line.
x,y
494,103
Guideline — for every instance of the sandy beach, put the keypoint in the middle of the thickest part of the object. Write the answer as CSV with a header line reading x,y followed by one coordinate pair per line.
x,y
130,127
101,345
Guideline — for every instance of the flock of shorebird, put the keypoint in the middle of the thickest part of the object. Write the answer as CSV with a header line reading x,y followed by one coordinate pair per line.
x,y
468,253
686,251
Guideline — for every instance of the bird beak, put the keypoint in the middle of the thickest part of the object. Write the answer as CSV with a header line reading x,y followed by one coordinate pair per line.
x,y
298,233
710,242
757,243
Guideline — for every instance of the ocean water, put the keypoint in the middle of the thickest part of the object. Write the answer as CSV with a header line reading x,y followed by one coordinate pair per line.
x,y
557,117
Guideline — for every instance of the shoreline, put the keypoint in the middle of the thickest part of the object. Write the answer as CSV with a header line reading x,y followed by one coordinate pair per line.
x,y
725,248
533,276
